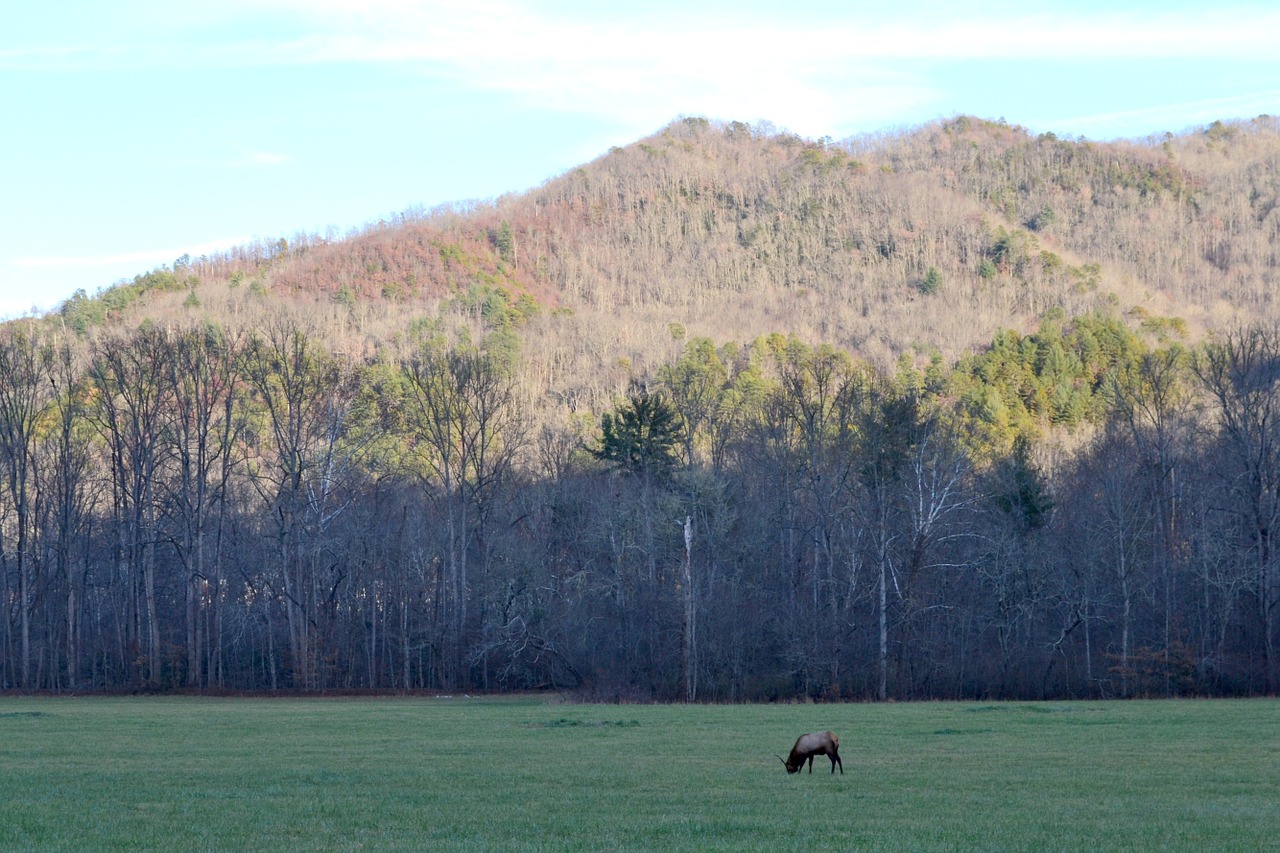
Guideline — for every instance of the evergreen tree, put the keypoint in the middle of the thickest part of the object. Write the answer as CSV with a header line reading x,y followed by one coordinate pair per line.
x,y
641,435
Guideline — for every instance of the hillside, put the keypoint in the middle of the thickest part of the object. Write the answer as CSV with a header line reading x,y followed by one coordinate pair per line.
x,y
926,240
723,414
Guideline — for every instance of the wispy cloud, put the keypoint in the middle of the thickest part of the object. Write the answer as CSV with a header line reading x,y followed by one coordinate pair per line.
x,y
264,158
802,68
516,43
806,74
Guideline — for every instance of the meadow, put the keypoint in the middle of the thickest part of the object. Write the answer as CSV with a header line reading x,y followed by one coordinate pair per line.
x,y
531,773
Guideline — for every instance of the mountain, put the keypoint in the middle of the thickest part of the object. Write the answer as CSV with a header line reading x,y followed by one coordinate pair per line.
x,y
924,240
724,414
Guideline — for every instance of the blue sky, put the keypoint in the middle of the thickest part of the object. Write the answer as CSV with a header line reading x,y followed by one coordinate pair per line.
x,y
136,131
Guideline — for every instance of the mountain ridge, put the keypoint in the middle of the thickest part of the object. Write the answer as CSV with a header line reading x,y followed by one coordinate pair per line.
x,y
929,240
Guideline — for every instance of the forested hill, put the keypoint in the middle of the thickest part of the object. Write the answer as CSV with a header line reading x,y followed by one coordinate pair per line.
x,y
929,239
724,414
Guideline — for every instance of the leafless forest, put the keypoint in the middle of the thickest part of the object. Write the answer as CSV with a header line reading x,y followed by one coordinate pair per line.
x,y
723,415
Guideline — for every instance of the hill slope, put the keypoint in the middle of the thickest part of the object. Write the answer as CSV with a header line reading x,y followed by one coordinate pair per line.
x,y
332,487
930,239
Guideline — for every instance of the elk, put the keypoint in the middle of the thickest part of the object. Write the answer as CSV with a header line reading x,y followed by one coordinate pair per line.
x,y
814,743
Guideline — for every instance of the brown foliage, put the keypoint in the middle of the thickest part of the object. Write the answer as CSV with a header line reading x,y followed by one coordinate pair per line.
x,y
735,231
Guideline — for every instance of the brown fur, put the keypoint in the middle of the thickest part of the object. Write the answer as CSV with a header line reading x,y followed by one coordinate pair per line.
x,y
814,743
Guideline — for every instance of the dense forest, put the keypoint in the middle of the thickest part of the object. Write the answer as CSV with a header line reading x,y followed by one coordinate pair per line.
x,y
724,415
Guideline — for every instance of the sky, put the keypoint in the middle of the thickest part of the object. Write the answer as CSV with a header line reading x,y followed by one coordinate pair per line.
x,y
137,131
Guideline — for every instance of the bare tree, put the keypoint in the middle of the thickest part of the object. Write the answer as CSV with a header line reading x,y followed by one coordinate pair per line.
x,y
201,369
305,397
937,491
25,396
1154,403
68,482
1241,372
886,422
131,415
1122,527
468,429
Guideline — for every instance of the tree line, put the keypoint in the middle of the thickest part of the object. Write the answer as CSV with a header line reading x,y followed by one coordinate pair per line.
x,y
1071,513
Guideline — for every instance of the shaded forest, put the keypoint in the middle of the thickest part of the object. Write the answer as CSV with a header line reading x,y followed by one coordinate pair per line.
x,y
724,415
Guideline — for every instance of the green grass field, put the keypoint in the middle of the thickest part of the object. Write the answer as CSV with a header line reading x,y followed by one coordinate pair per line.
x,y
509,774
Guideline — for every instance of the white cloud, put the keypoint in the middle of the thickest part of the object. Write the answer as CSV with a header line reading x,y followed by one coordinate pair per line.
x,y
806,69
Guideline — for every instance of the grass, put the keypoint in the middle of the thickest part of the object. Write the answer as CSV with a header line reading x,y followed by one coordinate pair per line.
x,y
512,774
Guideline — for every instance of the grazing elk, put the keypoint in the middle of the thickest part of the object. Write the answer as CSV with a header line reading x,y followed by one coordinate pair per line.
x,y
815,743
